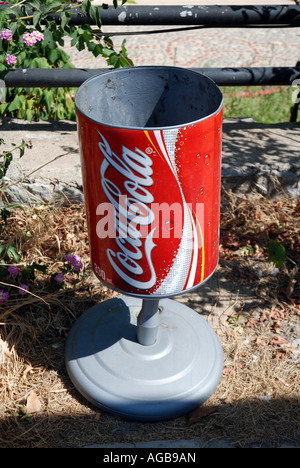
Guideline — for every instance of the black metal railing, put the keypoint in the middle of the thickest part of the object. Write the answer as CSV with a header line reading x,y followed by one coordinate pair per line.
x,y
74,77
206,16
259,16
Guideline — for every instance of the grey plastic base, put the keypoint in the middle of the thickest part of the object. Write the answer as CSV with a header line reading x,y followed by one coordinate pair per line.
x,y
167,379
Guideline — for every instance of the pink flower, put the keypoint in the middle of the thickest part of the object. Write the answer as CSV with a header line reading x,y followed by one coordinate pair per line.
x,y
32,38
38,35
23,289
29,39
3,296
10,59
6,34
59,277
12,270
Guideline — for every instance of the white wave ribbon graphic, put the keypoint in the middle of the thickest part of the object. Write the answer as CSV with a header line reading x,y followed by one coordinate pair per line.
x,y
182,273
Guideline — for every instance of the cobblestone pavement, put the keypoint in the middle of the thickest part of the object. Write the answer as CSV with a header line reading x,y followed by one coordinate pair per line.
x,y
209,47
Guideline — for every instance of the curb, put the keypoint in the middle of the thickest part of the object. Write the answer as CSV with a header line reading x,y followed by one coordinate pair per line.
x,y
256,159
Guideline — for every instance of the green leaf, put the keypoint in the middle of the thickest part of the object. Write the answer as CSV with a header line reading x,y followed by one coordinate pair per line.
x,y
277,253
39,62
29,114
86,6
36,266
96,49
5,214
16,103
107,52
114,61
48,39
65,18
74,37
64,56
3,108
60,114
96,15
22,148
7,157
36,4
5,12
48,99
37,15
80,44
53,56
11,252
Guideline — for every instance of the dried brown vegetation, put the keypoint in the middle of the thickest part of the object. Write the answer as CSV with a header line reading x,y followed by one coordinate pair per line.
x,y
257,400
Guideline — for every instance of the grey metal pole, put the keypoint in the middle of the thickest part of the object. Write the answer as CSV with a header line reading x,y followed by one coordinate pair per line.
x,y
148,322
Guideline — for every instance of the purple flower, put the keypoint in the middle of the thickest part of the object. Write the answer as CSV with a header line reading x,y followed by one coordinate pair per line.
x,y
10,59
75,260
69,258
59,277
12,270
3,296
23,289
77,265
6,34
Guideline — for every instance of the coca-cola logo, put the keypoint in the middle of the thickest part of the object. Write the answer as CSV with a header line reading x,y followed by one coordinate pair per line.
x,y
131,201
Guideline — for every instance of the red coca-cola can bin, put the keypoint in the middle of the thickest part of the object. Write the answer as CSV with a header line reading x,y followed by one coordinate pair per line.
x,y
150,147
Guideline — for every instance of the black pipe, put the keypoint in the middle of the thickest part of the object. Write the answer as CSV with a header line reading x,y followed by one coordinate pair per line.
x,y
74,77
209,16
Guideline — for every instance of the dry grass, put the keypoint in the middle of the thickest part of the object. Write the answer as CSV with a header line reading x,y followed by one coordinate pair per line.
x,y
258,396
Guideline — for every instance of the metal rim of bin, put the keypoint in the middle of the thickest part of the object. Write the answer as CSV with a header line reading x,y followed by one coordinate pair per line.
x,y
138,69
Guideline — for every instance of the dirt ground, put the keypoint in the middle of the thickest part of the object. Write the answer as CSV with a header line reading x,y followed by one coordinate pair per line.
x,y
253,306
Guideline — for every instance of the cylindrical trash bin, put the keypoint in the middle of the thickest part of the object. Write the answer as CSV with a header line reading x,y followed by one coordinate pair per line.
x,y
150,142
150,145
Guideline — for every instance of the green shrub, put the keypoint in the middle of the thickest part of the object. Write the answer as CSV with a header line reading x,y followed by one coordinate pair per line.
x,y
31,38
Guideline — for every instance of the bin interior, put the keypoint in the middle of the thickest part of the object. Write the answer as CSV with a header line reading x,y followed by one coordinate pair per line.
x,y
148,97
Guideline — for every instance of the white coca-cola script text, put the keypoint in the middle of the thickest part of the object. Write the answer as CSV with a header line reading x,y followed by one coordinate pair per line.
x,y
131,201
